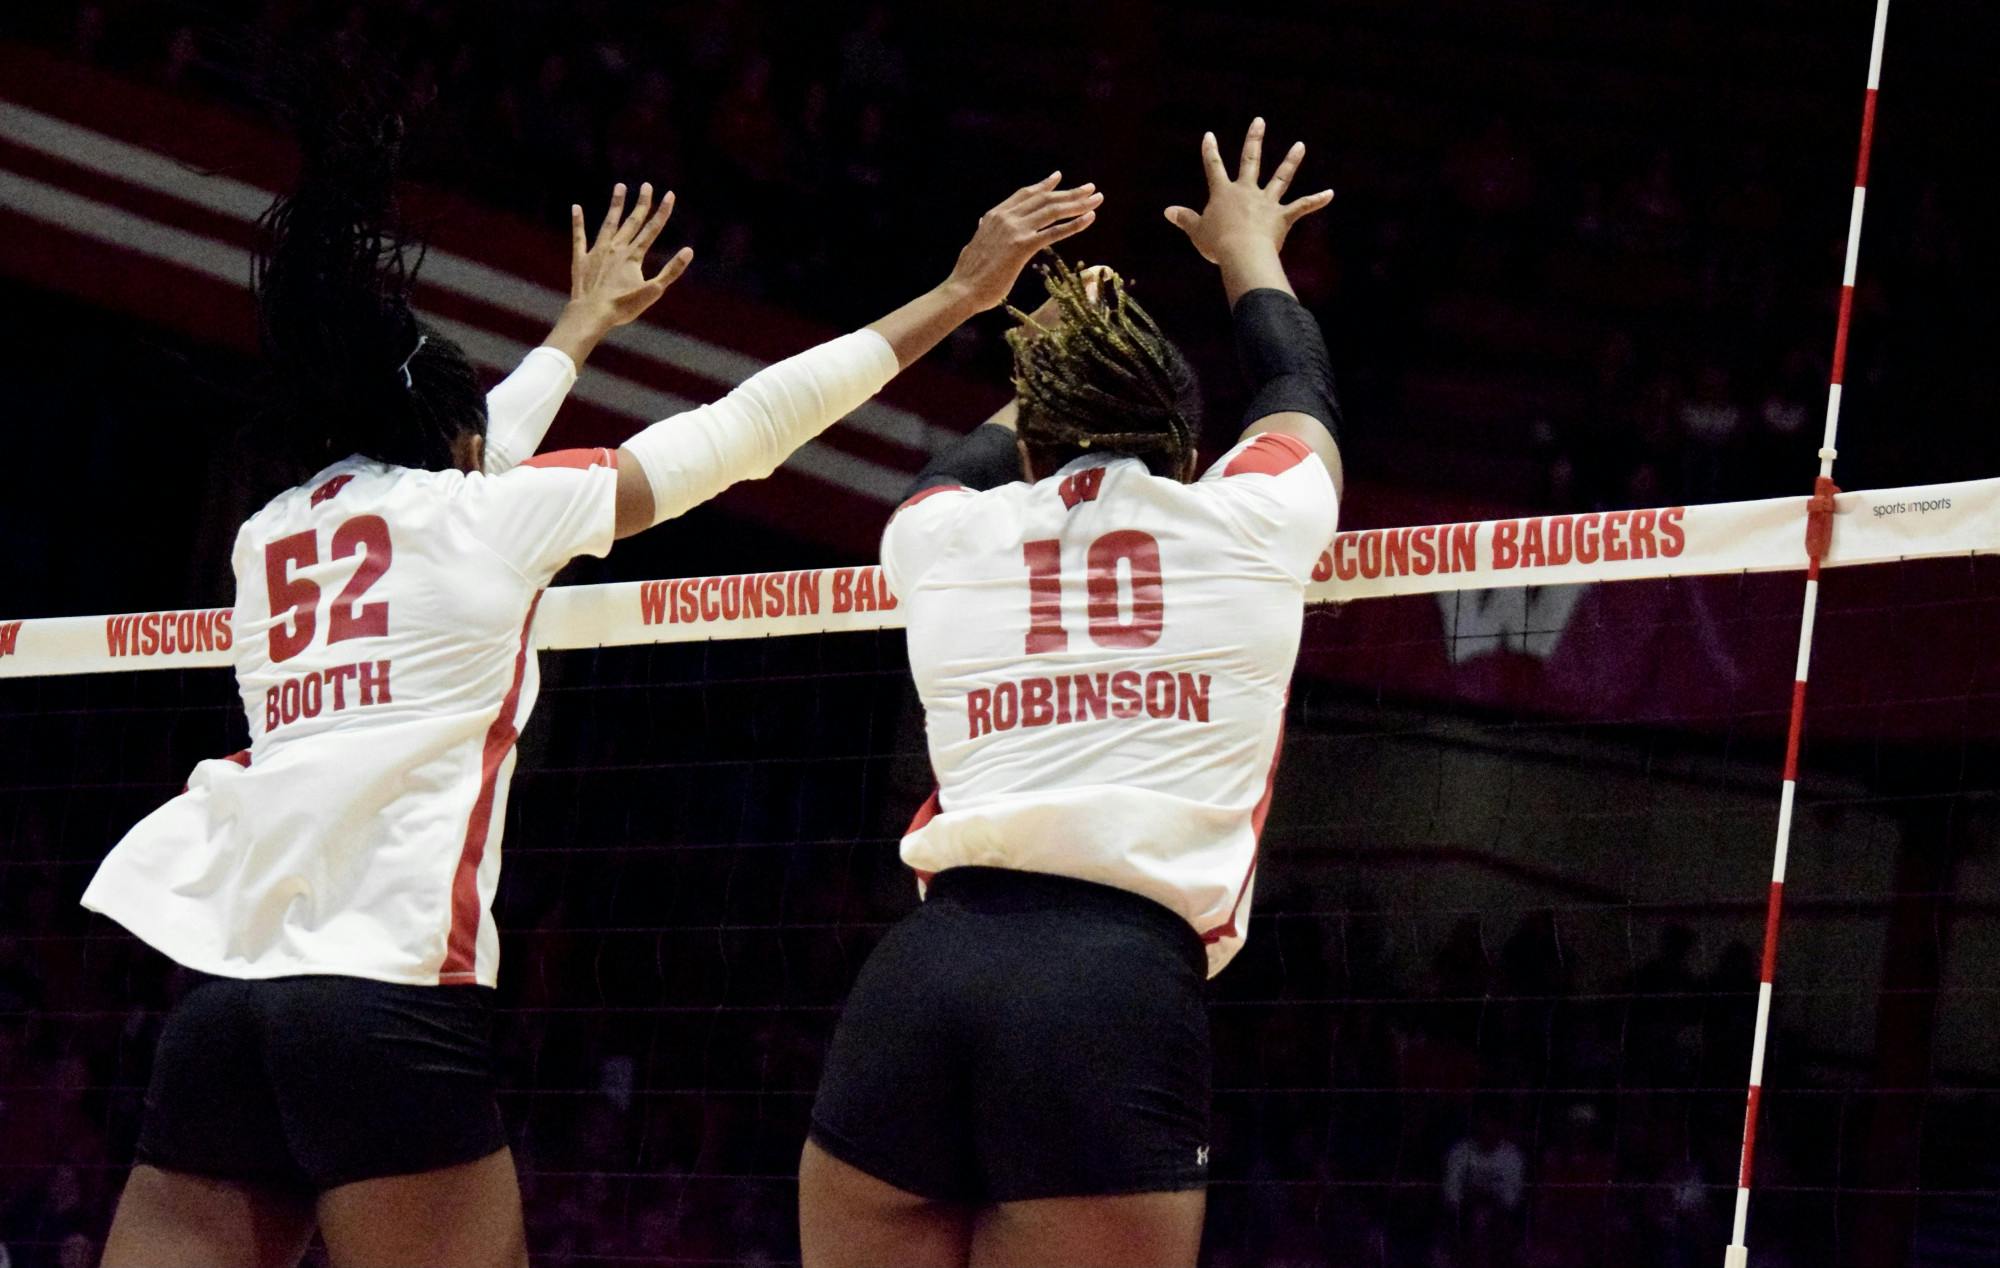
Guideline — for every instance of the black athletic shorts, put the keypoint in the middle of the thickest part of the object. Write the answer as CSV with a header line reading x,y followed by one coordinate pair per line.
x,y
314,1082
1024,1036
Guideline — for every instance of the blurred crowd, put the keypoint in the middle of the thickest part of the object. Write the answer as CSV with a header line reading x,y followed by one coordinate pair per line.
x,y
1566,299
1500,1104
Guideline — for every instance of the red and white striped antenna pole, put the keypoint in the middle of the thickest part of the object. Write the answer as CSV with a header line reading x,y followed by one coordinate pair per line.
x,y
1819,533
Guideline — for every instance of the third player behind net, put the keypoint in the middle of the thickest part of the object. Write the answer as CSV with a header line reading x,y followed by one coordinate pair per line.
x,y
1103,644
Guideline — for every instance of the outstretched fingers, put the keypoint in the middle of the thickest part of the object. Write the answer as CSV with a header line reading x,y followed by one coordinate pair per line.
x,y
1063,229
1021,196
1300,208
1057,215
647,235
613,214
579,241
1211,162
1252,162
1281,179
1062,216
671,271
1058,203
641,212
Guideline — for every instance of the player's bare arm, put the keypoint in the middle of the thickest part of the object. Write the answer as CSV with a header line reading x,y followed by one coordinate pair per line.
x,y
1007,237
1241,230
691,457
609,288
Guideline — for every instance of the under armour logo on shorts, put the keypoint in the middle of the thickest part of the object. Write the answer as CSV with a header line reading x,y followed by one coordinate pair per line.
x,y
1201,1156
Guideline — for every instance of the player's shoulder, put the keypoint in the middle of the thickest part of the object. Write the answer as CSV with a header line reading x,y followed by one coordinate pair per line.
x,y
559,473
1270,470
1262,454
945,503
1272,493
935,522
954,492
592,459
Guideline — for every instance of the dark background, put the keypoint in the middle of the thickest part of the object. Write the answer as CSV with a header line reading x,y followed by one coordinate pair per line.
x,y
1584,255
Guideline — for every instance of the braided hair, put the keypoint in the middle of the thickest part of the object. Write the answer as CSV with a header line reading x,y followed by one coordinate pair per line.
x,y
1105,380
350,367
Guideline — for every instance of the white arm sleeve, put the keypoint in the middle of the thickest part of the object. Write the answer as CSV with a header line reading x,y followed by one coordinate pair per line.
x,y
521,406
691,457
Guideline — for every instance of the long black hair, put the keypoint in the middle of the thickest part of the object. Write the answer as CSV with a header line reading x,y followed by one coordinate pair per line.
x,y
1106,380
351,369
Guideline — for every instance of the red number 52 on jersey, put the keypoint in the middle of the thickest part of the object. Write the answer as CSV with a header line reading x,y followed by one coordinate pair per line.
x,y
298,597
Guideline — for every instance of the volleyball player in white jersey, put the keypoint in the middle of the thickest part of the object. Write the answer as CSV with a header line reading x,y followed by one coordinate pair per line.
x,y
332,885
1021,1073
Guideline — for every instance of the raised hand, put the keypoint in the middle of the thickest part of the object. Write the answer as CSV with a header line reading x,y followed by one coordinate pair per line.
x,y
608,278
608,286
1036,216
1241,213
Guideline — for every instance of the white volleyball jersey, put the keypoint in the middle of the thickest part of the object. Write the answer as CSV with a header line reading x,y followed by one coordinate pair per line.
x,y
381,646
1103,659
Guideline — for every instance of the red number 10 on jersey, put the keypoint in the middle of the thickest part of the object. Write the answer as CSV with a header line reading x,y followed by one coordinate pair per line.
x,y
1108,626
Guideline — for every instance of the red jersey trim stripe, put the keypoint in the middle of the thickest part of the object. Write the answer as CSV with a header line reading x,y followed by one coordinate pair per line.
x,y
1269,454
925,813
462,942
241,757
1227,929
579,459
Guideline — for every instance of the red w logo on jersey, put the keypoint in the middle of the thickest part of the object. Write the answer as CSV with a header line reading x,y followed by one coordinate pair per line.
x,y
331,487
1081,487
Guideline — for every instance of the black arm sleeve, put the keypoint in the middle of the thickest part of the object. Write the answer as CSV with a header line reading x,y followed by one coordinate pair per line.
x,y
985,458
1284,359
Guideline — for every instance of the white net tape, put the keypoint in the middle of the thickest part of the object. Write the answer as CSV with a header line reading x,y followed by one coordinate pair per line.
x,y
1870,527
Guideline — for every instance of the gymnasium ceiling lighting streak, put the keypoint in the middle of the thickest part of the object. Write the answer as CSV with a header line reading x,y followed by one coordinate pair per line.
x,y
243,202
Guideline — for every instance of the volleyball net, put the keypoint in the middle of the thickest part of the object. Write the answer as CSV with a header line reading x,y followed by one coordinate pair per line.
x,y
1500,988
1883,526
